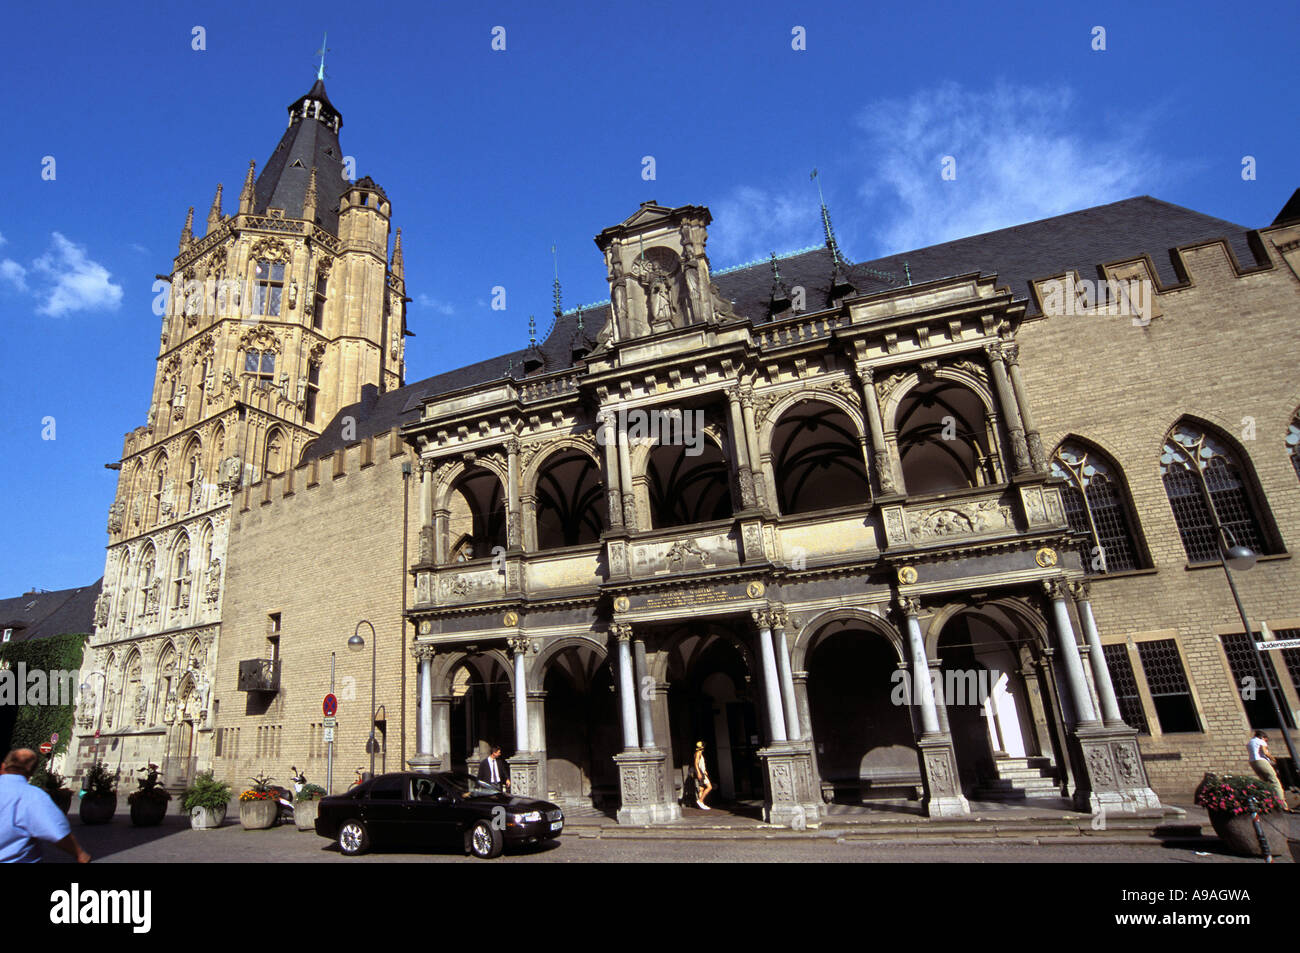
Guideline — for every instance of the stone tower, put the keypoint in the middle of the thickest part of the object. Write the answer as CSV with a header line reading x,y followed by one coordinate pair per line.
x,y
271,321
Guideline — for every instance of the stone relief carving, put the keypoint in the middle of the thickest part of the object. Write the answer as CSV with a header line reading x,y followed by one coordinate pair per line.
x,y
213,591
115,513
683,552
1099,767
986,516
1130,769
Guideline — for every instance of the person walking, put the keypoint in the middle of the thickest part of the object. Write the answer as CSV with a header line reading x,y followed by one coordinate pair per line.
x,y
495,770
27,814
702,783
1265,766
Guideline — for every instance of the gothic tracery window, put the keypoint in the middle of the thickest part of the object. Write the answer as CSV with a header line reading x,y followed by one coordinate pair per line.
x,y
268,286
261,365
1096,504
1194,463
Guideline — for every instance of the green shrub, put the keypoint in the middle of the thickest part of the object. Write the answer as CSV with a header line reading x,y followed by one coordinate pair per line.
x,y
310,792
36,724
206,791
99,782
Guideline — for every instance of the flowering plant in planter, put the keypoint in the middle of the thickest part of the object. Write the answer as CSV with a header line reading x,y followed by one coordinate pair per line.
x,y
150,788
1232,793
260,791
310,792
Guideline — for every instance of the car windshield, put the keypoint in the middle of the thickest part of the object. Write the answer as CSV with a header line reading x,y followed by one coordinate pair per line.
x,y
465,786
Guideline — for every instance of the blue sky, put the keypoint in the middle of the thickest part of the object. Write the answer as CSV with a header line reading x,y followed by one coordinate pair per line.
x,y
491,157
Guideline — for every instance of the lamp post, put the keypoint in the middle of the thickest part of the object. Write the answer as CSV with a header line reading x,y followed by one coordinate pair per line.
x,y
357,644
1242,558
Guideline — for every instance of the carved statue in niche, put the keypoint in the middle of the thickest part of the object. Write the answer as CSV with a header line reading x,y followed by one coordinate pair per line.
x,y
115,516
214,581
293,294
152,596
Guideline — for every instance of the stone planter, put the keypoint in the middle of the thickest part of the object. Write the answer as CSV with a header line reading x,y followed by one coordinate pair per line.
x,y
97,809
63,798
148,811
207,818
304,814
258,815
1237,831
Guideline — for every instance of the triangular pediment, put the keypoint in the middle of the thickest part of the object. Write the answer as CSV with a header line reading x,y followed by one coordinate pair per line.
x,y
648,214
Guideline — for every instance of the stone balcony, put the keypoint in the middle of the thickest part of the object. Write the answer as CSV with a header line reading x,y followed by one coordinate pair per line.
x,y
977,514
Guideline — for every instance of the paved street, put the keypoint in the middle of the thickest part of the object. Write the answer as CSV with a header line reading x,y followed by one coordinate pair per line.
x,y
175,842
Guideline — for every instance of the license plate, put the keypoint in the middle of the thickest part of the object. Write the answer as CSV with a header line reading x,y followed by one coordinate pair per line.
x,y
556,825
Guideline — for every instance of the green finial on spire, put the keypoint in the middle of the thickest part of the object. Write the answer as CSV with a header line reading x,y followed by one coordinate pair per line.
x,y
532,331
557,310
320,73
837,256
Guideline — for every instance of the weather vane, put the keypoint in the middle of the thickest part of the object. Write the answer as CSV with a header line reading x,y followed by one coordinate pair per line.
x,y
320,72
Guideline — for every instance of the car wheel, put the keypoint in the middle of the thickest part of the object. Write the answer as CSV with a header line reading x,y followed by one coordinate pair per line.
x,y
353,838
485,841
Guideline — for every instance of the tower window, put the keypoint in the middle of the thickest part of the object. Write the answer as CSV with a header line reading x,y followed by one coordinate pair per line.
x,y
318,311
261,364
268,282
313,388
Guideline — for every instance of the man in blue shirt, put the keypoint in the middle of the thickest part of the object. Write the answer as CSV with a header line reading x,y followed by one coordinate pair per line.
x,y
27,814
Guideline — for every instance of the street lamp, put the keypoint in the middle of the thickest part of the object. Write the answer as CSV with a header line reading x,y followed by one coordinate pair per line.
x,y
1234,556
358,644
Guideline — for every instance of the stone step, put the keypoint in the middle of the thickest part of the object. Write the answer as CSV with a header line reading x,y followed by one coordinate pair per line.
x,y
1035,761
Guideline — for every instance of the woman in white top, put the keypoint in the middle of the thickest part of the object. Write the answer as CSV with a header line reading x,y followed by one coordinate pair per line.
x,y
702,783
1262,763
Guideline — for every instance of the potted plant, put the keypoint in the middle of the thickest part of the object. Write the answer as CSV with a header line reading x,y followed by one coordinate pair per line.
x,y
259,806
306,803
205,801
1231,800
149,801
53,784
98,795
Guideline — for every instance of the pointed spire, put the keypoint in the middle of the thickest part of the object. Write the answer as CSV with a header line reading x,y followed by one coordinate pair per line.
x,y
780,293
214,214
840,284
309,197
557,310
246,194
187,233
532,331
396,266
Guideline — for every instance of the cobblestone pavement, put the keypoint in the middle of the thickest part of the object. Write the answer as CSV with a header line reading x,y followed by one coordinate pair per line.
x,y
175,842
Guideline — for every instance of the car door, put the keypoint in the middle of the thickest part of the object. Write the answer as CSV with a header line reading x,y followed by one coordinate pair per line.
x,y
385,807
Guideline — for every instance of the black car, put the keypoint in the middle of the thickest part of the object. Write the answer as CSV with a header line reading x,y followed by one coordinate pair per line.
x,y
435,810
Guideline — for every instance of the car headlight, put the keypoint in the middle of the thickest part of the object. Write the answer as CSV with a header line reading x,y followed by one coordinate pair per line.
x,y
531,817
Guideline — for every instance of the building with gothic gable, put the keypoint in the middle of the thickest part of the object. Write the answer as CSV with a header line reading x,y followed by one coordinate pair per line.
x,y
938,526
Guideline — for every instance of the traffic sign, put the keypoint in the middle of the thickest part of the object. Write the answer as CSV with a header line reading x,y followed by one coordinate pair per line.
x,y
96,732
331,722
46,748
54,738
1278,644
330,706
329,734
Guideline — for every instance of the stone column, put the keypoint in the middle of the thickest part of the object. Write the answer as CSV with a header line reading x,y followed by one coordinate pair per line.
x,y
740,448
626,686
779,619
625,477
922,689
643,697
608,436
1011,352
1096,655
1007,400
879,451
940,703
426,756
519,648
1080,697
771,683
441,524
440,742
755,451
514,523
426,550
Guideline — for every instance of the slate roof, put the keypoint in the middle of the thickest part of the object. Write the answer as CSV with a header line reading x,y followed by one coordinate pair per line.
x,y
39,615
1077,241
307,142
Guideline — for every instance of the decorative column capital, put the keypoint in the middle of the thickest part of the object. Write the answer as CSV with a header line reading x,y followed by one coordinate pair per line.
x,y
519,644
867,373
512,446
622,631
1081,590
994,351
910,606
420,651
762,618
747,397
1055,588
426,466
1010,352
780,616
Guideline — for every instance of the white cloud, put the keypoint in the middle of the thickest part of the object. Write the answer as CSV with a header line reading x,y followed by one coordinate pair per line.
x,y
3,240
70,281
442,307
1021,154
750,223
13,273
136,246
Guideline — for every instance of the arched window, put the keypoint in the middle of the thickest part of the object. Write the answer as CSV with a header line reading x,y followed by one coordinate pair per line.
x,y
181,573
477,518
268,280
1195,463
1293,443
157,485
1097,504
261,365
193,493
945,439
817,460
274,457
570,500
686,488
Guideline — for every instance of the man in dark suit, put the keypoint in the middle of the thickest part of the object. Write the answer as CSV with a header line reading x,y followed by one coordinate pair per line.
x,y
495,769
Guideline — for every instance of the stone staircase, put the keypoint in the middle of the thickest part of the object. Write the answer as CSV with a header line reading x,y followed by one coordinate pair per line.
x,y
1018,779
